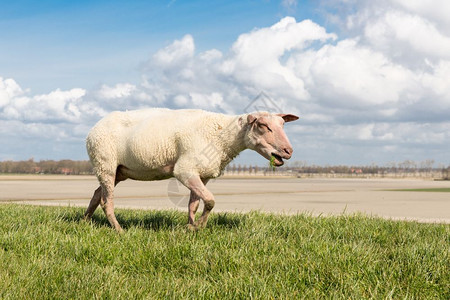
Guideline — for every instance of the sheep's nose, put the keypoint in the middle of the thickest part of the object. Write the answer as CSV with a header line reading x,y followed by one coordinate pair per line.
x,y
288,151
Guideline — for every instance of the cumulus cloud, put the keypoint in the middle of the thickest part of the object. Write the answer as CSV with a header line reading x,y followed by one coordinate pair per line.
x,y
8,89
57,106
351,76
402,34
385,85
120,90
256,62
256,56
179,51
437,11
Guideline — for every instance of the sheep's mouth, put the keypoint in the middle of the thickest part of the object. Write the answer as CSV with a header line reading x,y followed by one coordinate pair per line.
x,y
278,160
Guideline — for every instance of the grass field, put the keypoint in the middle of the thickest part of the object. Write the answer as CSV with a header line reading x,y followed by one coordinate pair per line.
x,y
49,253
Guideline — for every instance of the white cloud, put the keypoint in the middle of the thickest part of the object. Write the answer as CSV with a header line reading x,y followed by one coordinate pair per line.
x,y
255,62
177,52
438,82
256,56
8,90
400,33
351,76
120,90
57,106
370,142
436,10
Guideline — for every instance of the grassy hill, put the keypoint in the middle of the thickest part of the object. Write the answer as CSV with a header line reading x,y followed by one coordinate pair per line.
x,y
49,252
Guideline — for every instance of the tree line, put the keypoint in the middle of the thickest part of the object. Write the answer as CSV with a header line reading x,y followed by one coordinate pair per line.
x,y
407,166
66,166
303,167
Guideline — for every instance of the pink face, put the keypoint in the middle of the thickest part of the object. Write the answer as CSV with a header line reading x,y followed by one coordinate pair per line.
x,y
267,137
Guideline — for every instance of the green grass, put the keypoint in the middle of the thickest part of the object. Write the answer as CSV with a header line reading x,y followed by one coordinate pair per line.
x,y
434,190
49,253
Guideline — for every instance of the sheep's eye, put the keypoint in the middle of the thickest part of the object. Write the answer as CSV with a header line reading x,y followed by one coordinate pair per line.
x,y
264,125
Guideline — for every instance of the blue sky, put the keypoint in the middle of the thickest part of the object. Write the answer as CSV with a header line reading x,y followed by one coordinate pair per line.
x,y
62,44
370,79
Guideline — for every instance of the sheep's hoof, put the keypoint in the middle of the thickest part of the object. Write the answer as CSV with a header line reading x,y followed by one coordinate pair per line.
x,y
87,218
200,223
118,229
192,228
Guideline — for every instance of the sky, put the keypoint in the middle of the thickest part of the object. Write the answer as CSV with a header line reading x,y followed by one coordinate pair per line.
x,y
370,80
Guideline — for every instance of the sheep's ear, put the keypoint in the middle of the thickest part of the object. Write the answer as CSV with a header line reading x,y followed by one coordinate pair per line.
x,y
288,117
251,119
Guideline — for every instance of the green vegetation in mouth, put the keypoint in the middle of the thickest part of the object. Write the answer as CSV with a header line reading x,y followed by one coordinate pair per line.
x,y
272,163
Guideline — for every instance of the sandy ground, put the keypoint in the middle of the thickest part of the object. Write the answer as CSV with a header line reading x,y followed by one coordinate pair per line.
x,y
283,195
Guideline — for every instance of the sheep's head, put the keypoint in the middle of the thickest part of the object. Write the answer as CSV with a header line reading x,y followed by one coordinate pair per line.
x,y
265,134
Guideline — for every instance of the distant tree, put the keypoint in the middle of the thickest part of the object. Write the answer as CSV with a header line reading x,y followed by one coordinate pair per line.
x,y
392,166
446,173
428,164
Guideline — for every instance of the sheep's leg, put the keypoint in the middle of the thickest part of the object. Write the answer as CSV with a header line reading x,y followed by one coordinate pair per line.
x,y
107,203
95,201
195,184
194,201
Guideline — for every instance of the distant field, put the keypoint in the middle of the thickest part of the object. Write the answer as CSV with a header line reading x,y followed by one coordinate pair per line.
x,y
49,253
436,190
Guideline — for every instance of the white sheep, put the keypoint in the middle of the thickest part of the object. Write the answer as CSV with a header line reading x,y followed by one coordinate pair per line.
x,y
190,145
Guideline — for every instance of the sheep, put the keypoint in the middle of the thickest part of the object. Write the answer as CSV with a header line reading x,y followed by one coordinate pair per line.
x,y
191,145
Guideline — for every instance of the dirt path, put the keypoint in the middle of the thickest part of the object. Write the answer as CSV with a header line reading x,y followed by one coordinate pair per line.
x,y
316,196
